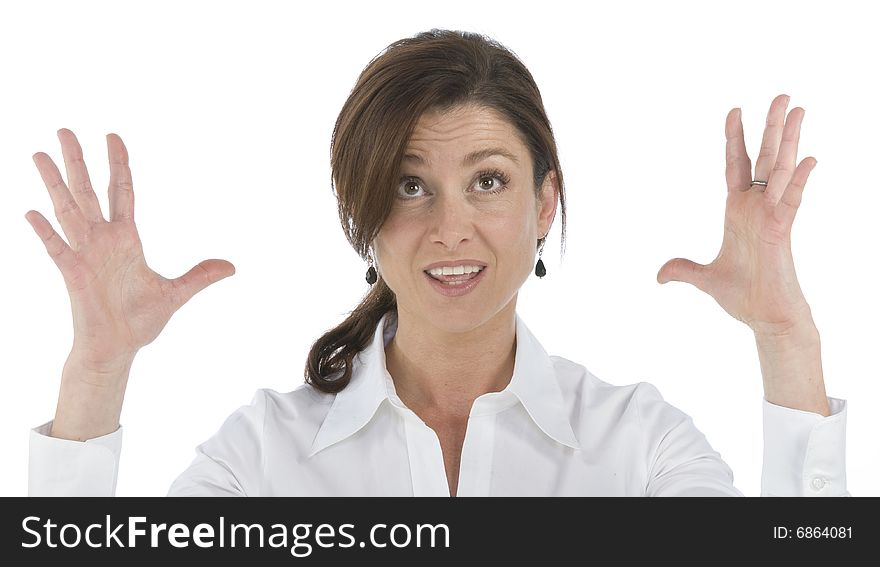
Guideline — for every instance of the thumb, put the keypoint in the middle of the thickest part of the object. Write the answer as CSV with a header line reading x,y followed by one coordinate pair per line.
x,y
682,270
201,276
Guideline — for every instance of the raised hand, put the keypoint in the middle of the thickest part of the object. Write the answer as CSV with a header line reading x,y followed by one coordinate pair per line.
x,y
753,277
119,304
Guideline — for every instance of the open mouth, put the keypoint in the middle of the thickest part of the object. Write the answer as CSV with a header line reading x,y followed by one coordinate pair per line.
x,y
455,284
458,275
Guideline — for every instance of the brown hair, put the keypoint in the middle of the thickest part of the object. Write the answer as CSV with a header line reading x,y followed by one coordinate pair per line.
x,y
433,70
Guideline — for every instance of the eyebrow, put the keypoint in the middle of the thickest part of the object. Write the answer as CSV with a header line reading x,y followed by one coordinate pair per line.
x,y
470,159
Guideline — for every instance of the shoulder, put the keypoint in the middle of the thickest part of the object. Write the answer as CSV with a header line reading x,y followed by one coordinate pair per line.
x,y
584,392
269,408
235,459
576,379
303,403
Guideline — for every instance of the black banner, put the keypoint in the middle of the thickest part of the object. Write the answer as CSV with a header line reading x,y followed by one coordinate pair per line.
x,y
286,531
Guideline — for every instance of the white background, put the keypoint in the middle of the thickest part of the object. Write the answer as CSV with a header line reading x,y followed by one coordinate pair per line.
x,y
227,110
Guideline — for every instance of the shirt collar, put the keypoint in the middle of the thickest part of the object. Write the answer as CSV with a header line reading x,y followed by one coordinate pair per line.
x,y
533,383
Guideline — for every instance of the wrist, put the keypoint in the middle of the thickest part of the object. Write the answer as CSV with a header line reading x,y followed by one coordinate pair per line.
x,y
799,322
90,398
801,334
89,361
791,366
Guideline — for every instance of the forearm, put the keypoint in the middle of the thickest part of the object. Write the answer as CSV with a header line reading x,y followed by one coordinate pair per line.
x,y
791,366
89,400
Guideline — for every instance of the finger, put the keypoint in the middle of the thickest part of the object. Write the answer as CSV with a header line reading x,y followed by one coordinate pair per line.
x,y
683,270
78,176
58,250
67,211
787,158
772,136
199,277
791,199
121,190
739,166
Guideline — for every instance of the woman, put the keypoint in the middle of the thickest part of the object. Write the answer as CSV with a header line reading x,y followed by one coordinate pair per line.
x,y
447,179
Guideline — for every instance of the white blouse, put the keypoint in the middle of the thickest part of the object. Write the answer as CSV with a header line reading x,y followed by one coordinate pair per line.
x,y
555,430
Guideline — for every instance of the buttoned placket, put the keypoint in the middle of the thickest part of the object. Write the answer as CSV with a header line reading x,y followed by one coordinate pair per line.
x,y
427,469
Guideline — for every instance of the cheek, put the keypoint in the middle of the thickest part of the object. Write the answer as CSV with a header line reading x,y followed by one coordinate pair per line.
x,y
521,221
402,223
395,247
512,237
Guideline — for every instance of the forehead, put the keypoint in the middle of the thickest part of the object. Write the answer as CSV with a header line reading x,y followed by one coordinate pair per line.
x,y
463,131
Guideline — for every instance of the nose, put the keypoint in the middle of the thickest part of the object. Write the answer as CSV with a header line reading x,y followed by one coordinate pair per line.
x,y
452,220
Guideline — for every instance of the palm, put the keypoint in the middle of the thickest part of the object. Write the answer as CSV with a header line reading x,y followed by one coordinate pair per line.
x,y
753,277
106,250
112,288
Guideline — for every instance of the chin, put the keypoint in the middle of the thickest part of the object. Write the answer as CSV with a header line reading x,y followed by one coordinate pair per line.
x,y
461,317
451,318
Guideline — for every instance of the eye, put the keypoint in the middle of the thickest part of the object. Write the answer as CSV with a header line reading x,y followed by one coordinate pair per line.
x,y
498,176
409,187
483,180
490,183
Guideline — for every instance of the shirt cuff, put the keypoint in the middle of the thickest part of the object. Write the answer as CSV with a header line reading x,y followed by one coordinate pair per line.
x,y
62,467
804,452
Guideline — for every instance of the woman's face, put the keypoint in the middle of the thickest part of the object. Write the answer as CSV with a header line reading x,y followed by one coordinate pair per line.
x,y
456,208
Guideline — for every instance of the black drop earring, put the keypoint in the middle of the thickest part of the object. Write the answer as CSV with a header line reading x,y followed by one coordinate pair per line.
x,y
540,270
371,272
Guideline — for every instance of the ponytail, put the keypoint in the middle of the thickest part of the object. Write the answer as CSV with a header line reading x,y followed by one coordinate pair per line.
x,y
334,352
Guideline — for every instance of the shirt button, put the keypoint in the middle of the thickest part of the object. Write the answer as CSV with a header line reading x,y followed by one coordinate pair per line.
x,y
817,484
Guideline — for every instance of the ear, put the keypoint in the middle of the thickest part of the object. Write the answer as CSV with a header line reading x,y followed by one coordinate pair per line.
x,y
548,197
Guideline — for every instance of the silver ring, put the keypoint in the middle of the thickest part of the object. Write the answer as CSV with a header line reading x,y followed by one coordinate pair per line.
x,y
761,184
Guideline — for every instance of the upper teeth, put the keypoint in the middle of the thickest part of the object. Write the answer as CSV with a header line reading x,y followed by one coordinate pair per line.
x,y
453,270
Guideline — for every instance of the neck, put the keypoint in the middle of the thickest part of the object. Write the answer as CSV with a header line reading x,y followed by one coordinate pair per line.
x,y
442,372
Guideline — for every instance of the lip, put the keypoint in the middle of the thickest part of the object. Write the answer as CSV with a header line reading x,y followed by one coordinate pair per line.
x,y
453,263
456,290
